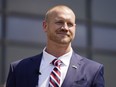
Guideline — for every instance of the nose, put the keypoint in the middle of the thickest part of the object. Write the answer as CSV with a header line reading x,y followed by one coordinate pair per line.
x,y
65,26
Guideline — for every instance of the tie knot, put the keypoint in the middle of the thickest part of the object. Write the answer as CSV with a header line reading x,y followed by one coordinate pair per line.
x,y
56,62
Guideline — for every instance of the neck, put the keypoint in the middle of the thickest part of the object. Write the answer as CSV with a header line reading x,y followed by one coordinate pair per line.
x,y
58,50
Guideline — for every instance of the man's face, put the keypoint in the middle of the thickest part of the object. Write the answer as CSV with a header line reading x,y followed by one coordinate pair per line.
x,y
60,27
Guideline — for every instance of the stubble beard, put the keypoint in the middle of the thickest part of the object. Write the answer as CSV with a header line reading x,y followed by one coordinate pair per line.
x,y
64,40
62,37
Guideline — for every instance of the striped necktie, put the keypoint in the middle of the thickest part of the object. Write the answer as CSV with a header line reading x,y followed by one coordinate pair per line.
x,y
55,74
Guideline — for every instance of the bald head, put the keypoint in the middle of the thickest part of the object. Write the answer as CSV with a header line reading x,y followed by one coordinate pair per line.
x,y
56,9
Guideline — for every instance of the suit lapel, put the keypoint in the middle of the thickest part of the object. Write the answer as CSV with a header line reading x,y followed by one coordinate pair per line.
x,y
34,70
73,70
72,73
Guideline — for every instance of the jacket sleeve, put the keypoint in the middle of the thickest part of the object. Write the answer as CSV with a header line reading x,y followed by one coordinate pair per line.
x,y
99,78
11,78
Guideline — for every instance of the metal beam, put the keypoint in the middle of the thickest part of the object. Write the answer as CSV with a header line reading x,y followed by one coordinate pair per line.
x,y
89,28
3,43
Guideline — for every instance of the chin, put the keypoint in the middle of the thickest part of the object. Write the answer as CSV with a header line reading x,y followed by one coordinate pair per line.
x,y
65,41
60,40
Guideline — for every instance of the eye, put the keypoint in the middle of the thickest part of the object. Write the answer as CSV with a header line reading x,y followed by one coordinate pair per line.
x,y
70,24
59,22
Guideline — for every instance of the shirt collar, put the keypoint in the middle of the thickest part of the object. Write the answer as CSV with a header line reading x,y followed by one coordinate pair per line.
x,y
48,58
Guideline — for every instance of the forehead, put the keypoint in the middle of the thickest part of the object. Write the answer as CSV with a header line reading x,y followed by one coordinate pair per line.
x,y
63,16
63,13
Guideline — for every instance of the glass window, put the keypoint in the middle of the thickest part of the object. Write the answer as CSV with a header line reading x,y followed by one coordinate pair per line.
x,y
20,52
104,38
15,53
35,7
25,30
109,62
80,37
104,10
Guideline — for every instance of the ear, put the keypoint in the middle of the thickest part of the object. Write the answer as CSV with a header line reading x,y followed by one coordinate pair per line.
x,y
75,26
44,26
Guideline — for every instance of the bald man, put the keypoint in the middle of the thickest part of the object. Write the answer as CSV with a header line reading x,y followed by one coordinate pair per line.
x,y
57,65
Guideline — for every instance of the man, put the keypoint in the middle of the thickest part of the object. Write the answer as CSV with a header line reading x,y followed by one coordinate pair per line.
x,y
72,71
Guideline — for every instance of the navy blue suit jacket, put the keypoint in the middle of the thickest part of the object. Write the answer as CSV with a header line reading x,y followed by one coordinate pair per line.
x,y
82,72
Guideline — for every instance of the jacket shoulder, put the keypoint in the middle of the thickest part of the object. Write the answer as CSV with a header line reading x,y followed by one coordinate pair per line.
x,y
87,61
25,61
89,65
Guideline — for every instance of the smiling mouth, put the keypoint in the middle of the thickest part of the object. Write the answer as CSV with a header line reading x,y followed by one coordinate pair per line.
x,y
63,34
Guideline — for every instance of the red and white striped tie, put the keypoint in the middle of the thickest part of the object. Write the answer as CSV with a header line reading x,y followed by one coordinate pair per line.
x,y
55,74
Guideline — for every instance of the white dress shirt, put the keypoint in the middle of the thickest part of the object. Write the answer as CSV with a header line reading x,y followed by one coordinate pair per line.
x,y
46,67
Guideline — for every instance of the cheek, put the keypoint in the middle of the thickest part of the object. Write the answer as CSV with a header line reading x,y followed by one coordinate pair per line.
x,y
72,31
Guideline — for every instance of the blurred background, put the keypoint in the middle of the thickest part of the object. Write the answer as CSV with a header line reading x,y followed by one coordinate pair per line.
x,y
21,32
